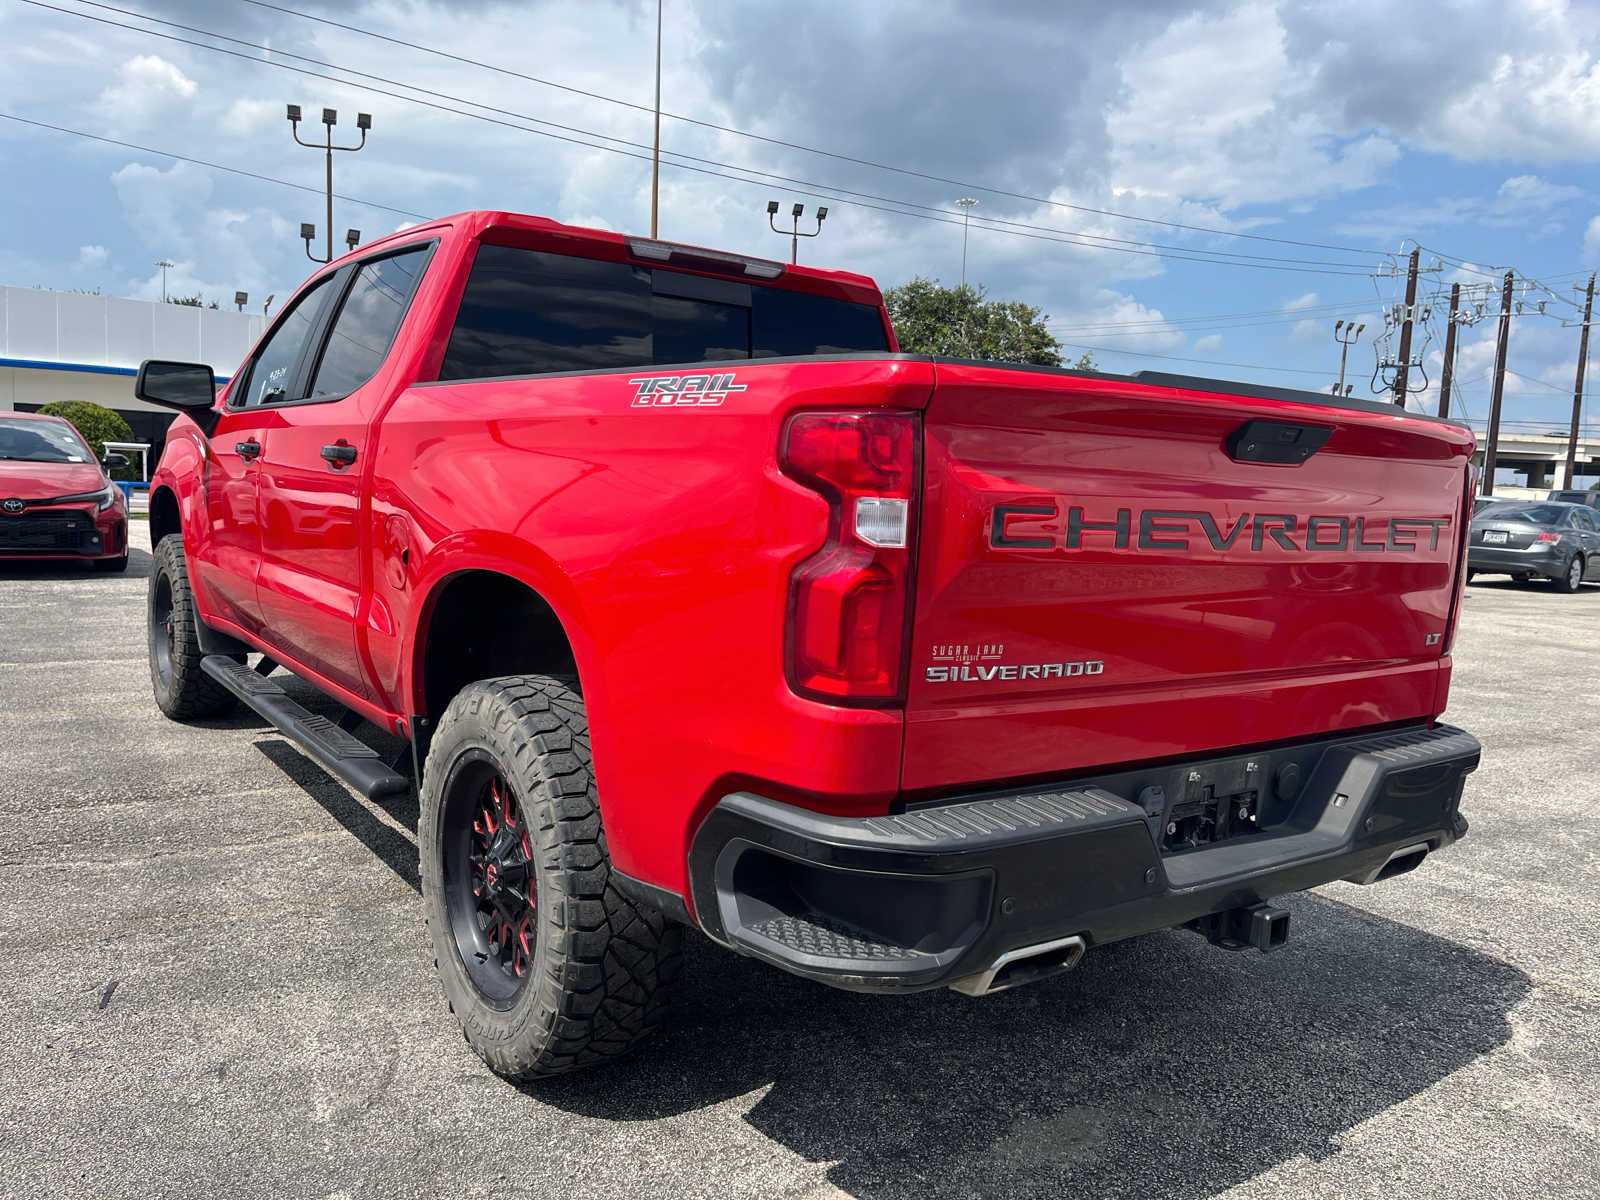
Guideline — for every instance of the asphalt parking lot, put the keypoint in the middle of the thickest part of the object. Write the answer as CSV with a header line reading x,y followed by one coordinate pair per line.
x,y
216,981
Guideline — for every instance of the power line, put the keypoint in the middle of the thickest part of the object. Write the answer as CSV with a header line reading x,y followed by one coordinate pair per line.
x,y
200,162
865,162
825,191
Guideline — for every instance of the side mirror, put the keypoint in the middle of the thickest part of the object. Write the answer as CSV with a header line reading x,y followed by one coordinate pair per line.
x,y
191,388
114,462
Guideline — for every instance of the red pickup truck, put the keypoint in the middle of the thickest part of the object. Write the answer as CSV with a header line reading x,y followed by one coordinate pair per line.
x,y
698,604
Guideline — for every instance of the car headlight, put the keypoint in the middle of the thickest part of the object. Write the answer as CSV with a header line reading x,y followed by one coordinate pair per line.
x,y
105,499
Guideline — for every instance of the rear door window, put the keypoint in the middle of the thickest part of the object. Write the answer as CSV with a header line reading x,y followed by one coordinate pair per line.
x,y
526,312
367,322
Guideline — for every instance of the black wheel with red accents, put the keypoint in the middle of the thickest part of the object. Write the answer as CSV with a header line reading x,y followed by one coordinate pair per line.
x,y
491,893
547,966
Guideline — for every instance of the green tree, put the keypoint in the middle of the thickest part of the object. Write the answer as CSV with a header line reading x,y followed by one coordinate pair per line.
x,y
98,425
195,301
964,323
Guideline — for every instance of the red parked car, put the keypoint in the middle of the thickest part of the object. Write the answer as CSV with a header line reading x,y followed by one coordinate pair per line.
x,y
700,605
56,501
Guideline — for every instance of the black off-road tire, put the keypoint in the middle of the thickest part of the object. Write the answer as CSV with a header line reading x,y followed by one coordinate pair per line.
x,y
183,691
601,965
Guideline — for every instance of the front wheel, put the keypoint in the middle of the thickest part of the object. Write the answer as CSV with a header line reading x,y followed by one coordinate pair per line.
x,y
1571,579
547,965
183,691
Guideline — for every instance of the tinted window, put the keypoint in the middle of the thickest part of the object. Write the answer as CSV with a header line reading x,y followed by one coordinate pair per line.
x,y
367,323
1534,514
272,373
525,312
797,323
1582,519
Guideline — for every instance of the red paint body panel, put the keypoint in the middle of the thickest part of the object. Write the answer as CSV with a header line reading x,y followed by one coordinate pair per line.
x,y
664,540
1203,648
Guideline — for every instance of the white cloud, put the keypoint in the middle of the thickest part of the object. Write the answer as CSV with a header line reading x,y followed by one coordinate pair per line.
x,y
1307,330
1309,300
1209,344
1591,240
246,115
145,86
93,256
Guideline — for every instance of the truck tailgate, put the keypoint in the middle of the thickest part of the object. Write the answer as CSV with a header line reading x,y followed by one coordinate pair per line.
x,y
1111,571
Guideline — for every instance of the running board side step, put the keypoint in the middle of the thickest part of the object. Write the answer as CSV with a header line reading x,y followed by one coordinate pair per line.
x,y
343,755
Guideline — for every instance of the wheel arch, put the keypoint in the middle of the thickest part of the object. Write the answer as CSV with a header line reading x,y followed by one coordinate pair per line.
x,y
480,622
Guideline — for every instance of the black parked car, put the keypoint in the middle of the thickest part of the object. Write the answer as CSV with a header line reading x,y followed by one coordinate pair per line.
x,y
1524,538
1589,497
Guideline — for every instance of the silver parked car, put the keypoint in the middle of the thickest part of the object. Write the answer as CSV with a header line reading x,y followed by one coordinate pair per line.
x,y
1524,538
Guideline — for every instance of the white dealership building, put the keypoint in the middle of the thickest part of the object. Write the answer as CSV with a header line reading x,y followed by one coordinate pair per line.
x,y
73,346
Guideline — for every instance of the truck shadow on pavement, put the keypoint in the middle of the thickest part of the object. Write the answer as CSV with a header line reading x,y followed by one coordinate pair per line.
x,y
1160,1067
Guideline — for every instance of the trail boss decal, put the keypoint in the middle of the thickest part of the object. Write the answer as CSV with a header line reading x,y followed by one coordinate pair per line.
x,y
683,391
1017,527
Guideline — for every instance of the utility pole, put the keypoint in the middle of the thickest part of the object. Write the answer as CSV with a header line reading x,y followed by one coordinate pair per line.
x,y
1449,352
794,234
655,152
1405,331
164,264
1502,336
1577,387
330,118
966,203
1354,331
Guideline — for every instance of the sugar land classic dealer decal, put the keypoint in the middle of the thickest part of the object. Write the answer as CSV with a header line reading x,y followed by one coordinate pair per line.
x,y
1016,527
979,664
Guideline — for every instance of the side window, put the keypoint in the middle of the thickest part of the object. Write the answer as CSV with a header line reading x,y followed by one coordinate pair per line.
x,y
272,372
1584,519
367,323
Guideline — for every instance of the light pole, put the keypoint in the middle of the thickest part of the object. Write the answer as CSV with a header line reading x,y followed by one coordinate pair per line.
x,y
655,151
1354,330
794,233
330,118
164,264
966,203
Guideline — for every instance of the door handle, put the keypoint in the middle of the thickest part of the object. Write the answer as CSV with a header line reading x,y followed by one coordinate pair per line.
x,y
339,455
247,450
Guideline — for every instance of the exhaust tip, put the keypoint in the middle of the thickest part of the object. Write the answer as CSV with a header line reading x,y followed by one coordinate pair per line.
x,y
1024,965
1407,858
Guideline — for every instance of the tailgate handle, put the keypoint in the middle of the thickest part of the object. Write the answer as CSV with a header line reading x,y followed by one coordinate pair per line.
x,y
1280,442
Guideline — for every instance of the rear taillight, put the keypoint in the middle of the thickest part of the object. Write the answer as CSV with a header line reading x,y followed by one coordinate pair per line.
x,y
1463,527
1547,537
850,602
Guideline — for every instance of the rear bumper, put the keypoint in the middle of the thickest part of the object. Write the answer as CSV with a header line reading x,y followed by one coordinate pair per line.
x,y
1540,560
933,896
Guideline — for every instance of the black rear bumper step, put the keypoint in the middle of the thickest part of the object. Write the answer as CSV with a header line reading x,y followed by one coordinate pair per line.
x,y
936,896
344,756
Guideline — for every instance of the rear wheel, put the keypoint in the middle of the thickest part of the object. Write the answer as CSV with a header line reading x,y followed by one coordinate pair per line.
x,y
547,966
1572,578
183,691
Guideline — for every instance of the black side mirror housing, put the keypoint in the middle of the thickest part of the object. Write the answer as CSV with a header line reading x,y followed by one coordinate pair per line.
x,y
114,462
191,388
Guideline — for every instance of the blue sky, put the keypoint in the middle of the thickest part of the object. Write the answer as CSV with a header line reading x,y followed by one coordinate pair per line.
x,y
1337,136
